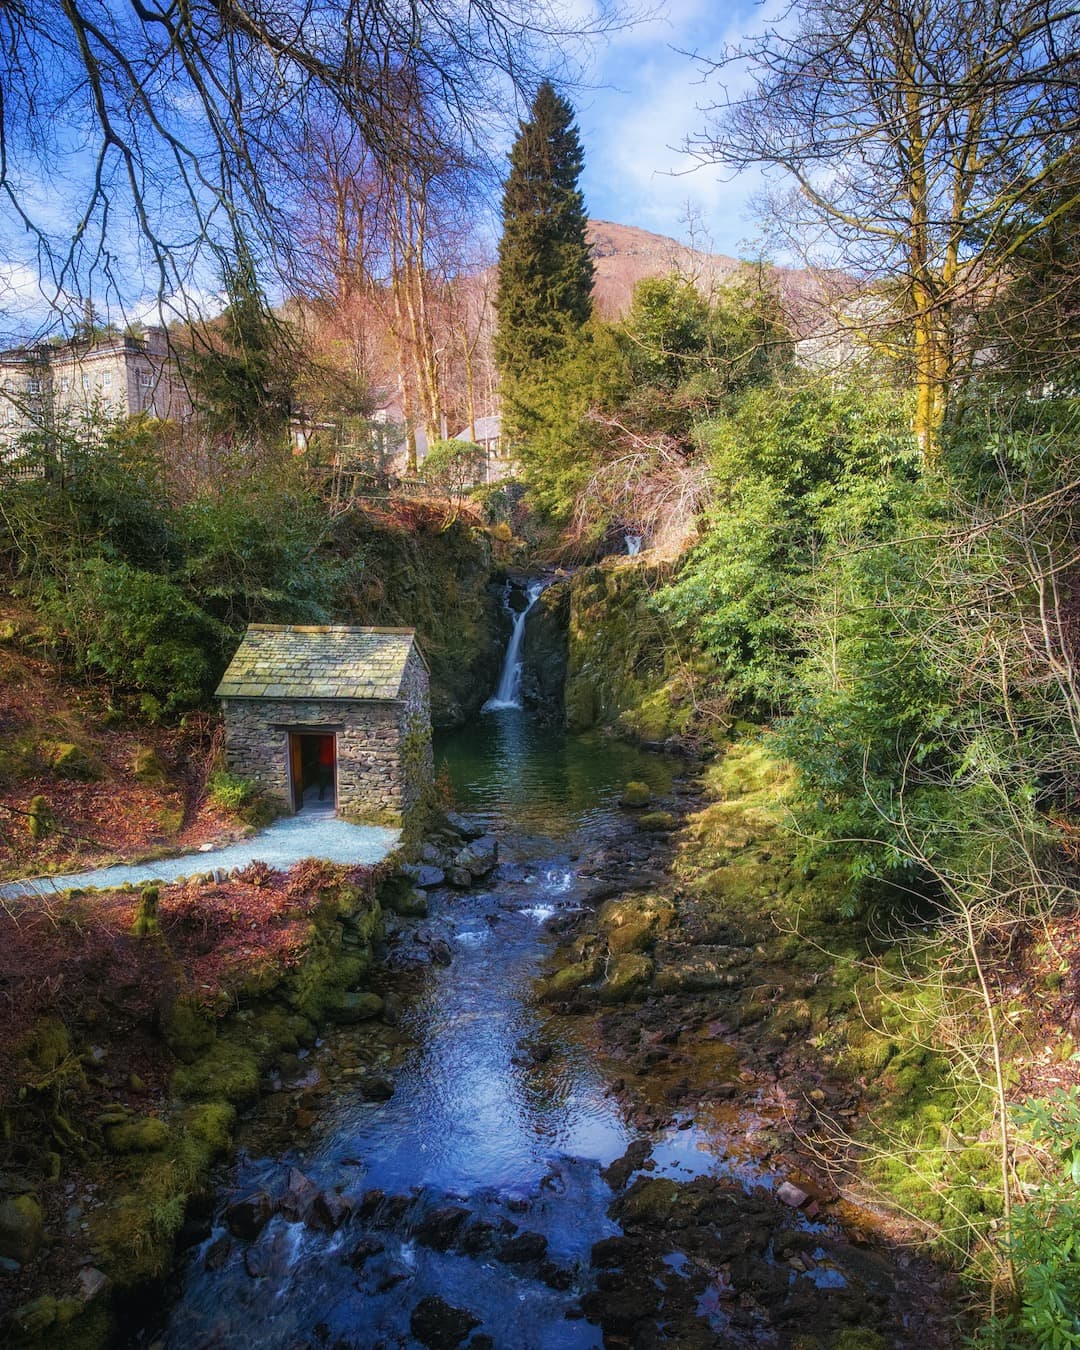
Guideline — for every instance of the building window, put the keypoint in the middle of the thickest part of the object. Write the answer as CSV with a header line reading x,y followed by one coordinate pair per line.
x,y
65,384
146,379
33,384
106,380
86,384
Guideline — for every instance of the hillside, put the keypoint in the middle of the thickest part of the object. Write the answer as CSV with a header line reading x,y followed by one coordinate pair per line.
x,y
623,255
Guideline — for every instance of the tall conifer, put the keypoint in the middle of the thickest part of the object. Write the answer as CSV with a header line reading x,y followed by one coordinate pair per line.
x,y
544,294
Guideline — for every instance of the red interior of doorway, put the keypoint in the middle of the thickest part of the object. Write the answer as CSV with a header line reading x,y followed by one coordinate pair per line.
x,y
314,764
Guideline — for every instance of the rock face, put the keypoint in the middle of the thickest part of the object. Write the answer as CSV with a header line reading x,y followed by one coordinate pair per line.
x,y
622,669
545,650
436,578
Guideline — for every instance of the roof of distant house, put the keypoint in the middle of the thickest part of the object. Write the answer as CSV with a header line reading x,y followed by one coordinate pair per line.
x,y
330,661
486,429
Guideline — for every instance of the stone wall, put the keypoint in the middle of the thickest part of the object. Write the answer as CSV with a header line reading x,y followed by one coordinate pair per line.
x,y
376,781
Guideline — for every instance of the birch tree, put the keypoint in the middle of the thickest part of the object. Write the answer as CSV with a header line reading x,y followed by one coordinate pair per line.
x,y
920,137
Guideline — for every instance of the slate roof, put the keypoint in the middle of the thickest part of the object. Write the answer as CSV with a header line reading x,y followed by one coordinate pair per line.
x,y
486,428
330,661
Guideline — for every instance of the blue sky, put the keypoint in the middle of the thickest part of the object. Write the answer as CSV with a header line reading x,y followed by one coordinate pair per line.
x,y
649,100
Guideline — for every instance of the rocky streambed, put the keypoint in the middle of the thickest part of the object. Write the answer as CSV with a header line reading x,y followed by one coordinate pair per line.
x,y
575,1123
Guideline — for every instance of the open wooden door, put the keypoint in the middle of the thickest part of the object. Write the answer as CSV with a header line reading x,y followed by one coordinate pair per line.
x,y
296,770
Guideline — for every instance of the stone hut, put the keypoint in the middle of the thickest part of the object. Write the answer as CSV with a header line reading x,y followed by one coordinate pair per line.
x,y
331,717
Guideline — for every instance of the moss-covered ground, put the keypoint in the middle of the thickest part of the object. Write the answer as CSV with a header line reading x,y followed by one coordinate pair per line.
x,y
131,1055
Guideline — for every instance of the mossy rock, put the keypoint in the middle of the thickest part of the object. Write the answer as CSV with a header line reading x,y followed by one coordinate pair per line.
x,y
143,1134
566,982
353,1007
226,1072
627,977
133,1236
695,972
187,1030
45,1314
635,795
40,821
409,904
853,1339
633,923
656,822
146,912
47,1046
212,1125
650,1201
147,767
22,1228
68,760
273,1030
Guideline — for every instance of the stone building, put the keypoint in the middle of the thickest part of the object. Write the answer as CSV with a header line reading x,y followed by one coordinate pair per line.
x,y
332,717
115,374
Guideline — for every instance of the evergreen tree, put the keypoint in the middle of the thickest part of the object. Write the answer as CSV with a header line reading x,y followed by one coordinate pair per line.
x,y
544,295
245,365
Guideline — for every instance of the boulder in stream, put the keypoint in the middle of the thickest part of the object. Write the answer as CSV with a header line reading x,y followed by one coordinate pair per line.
x,y
524,1247
439,1325
424,875
299,1198
440,1226
478,858
247,1217
468,827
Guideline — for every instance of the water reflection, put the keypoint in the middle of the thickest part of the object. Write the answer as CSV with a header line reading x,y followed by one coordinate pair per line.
x,y
514,769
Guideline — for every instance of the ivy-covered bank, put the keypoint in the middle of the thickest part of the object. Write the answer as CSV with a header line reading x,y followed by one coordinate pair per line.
x,y
627,671
156,1020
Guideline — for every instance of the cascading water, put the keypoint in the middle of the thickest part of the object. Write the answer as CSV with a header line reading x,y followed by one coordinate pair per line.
x,y
633,544
508,694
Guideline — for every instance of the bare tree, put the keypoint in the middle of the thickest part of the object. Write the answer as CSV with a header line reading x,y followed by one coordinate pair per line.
x,y
921,137
182,115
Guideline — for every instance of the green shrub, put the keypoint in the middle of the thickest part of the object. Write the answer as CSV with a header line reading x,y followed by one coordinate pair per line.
x,y
1042,1239
137,628
230,792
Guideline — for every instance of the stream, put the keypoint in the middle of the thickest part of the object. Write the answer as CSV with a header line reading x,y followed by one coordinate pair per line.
x,y
497,1192
498,1124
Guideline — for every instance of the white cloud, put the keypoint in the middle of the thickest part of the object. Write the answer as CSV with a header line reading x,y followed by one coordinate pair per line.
x,y
634,130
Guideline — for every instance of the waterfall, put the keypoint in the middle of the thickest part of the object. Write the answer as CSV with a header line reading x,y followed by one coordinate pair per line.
x,y
508,694
633,544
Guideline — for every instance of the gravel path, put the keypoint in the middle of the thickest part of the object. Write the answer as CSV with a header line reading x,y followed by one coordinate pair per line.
x,y
312,834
